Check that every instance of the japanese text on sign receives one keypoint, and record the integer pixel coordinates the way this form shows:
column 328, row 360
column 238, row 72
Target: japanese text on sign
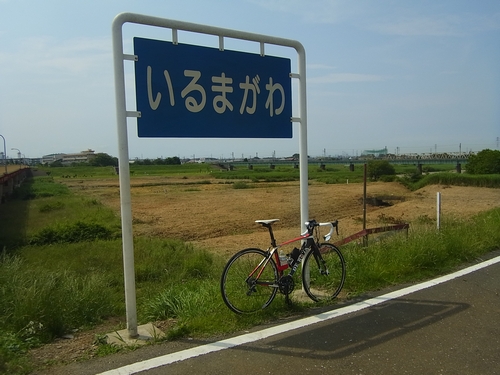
column 193, row 91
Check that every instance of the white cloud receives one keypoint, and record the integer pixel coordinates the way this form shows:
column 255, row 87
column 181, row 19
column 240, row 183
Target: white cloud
column 421, row 26
column 346, row 77
column 385, row 17
column 319, row 67
column 414, row 102
column 42, row 54
column 314, row 11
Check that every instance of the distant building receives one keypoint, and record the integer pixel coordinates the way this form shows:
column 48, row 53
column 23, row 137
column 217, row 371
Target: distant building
column 48, row 159
column 375, row 153
column 68, row 159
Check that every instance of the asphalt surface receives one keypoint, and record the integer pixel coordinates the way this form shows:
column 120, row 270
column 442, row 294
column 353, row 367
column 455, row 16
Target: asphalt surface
column 449, row 328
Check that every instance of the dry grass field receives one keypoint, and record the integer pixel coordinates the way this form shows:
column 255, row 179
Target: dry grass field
column 221, row 218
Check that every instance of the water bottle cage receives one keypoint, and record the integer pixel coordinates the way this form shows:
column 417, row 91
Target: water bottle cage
column 294, row 255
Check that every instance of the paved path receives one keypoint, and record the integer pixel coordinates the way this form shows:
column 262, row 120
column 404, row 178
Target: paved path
column 449, row 325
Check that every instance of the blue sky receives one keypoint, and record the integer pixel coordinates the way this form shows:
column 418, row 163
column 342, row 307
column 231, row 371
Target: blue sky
column 416, row 76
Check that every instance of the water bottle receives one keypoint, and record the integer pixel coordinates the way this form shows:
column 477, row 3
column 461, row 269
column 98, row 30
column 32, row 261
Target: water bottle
column 283, row 258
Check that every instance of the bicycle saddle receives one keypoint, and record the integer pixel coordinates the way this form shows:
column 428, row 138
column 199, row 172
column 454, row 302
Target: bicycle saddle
column 267, row 222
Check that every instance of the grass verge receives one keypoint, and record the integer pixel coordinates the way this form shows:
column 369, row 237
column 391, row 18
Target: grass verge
column 425, row 253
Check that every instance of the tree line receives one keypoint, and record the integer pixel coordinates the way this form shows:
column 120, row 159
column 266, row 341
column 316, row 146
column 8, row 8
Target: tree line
column 105, row 160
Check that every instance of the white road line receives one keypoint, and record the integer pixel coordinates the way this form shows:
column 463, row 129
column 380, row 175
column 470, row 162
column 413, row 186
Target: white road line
column 251, row 337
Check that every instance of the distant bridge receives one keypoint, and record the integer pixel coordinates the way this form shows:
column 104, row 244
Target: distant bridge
column 419, row 160
column 403, row 159
column 411, row 158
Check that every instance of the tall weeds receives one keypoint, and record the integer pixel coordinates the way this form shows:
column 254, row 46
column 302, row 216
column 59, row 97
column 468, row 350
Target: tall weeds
column 55, row 302
column 425, row 253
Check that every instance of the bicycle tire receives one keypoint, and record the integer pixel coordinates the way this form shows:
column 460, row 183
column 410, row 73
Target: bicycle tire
column 246, row 296
column 318, row 285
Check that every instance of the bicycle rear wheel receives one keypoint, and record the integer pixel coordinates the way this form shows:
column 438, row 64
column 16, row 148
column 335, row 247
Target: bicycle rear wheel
column 323, row 275
column 242, row 289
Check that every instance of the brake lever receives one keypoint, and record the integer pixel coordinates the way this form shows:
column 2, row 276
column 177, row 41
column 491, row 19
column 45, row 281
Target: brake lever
column 336, row 225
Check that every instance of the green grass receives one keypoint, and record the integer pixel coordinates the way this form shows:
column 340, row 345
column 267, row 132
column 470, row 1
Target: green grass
column 331, row 174
column 171, row 170
column 281, row 173
column 43, row 207
column 260, row 173
column 424, row 254
column 241, row 185
column 81, row 171
column 44, row 187
column 61, row 269
column 489, row 181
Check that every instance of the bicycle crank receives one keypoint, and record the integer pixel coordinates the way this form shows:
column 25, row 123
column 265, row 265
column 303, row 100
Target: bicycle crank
column 286, row 285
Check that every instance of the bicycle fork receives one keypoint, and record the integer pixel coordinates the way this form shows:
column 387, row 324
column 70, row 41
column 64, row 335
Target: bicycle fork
column 323, row 269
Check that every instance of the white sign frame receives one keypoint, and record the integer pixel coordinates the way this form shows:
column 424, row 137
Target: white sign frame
column 121, row 121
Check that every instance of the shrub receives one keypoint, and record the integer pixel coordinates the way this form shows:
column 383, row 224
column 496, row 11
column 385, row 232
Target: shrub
column 484, row 162
column 103, row 160
column 241, row 185
column 71, row 233
column 386, row 178
column 378, row 168
column 49, row 207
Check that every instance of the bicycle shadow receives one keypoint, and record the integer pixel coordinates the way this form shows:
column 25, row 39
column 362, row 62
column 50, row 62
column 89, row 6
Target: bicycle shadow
column 352, row 334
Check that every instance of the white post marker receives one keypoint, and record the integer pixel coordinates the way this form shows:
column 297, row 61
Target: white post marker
column 121, row 120
column 438, row 208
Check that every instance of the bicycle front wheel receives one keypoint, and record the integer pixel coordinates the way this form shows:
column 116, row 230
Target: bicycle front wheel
column 323, row 274
column 249, row 281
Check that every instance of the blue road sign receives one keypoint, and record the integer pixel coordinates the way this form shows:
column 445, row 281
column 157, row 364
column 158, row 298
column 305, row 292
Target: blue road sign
column 193, row 91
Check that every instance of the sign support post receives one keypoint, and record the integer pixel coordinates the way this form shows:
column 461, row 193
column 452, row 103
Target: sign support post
column 124, row 177
column 121, row 121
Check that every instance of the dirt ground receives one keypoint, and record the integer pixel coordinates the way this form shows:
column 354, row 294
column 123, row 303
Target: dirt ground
column 218, row 217
column 222, row 219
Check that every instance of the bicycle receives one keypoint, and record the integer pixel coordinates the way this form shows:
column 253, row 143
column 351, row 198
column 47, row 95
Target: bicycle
column 252, row 277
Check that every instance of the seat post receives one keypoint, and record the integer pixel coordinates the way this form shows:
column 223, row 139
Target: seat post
column 271, row 234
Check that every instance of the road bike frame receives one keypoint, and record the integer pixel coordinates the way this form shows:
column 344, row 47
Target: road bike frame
column 308, row 245
column 274, row 252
